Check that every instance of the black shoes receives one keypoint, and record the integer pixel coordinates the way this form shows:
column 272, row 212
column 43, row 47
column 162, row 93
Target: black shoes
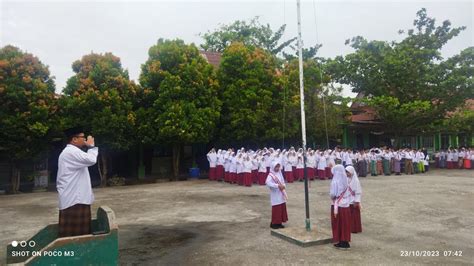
column 343, row 245
column 276, row 226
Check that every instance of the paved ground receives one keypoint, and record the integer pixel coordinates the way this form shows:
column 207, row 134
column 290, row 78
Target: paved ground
column 210, row 223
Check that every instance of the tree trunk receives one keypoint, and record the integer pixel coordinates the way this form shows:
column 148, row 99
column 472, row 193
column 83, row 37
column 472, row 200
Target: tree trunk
column 15, row 178
column 103, row 177
column 176, row 155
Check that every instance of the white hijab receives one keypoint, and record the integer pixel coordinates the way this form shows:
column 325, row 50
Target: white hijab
column 277, row 174
column 354, row 180
column 339, row 181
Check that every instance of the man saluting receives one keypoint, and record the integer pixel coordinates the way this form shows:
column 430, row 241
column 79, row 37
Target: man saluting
column 74, row 184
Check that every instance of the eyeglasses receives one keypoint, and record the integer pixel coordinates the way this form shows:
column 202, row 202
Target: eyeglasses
column 83, row 137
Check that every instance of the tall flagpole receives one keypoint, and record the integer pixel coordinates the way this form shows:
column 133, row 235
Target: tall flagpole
column 303, row 120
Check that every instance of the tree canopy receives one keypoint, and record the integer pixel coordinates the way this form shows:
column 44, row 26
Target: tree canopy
column 100, row 98
column 180, row 102
column 248, row 33
column 410, row 73
column 27, row 106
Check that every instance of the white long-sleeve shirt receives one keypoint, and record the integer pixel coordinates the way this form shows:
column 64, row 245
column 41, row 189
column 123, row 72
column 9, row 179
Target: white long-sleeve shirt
column 322, row 163
column 356, row 190
column 73, row 181
column 276, row 196
column 246, row 166
column 212, row 158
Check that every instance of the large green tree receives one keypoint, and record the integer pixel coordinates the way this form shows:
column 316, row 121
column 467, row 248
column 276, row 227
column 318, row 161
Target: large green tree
column 100, row 97
column 249, row 33
column 27, row 107
column 250, row 89
column 180, row 103
column 409, row 77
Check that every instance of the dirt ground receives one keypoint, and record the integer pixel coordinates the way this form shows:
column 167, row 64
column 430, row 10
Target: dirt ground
column 211, row 223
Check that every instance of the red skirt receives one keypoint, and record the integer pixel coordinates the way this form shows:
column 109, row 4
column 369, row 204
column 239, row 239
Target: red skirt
column 341, row 225
column 279, row 214
column 310, row 173
column 322, row 174
column 356, row 224
column 450, row 165
column 299, row 174
column 226, row 176
column 232, row 177
column 467, row 164
column 219, row 172
column 212, row 173
column 289, row 176
column 247, row 179
column 262, row 177
column 328, row 172
column 254, row 176
column 240, row 179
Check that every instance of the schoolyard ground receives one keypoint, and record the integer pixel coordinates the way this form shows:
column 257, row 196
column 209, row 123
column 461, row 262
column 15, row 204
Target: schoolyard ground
column 203, row 222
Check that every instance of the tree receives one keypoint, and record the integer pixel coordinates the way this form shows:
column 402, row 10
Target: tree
column 251, row 95
column 410, row 73
column 99, row 96
column 180, row 103
column 317, row 85
column 27, row 107
column 249, row 33
column 308, row 53
column 400, row 117
column 462, row 120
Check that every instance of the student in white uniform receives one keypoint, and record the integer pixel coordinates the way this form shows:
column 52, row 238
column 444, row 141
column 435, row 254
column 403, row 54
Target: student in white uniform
column 356, row 192
column 278, row 196
column 212, row 158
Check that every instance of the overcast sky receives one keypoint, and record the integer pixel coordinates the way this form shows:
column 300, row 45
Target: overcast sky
column 60, row 32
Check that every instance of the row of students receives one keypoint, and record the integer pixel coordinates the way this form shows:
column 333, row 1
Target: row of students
column 247, row 167
column 462, row 158
column 252, row 167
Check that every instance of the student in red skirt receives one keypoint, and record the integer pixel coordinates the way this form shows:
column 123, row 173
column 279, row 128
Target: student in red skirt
column 340, row 211
column 254, row 159
column 233, row 168
column 247, row 171
column 322, row 163
column 288, row 167
column 212, row 158
column 220, row 165
column 278, row 197
column 262, row 169
column 356, row 191
column 240, row 173
column 293, row 159
column 310, row 164
column 299, row 172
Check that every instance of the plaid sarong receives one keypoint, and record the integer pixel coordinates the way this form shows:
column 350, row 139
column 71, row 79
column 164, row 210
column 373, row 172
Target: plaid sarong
column 75, row 220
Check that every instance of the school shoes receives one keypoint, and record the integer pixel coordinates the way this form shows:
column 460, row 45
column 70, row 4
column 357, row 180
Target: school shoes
column 342, row 245
column 276, row 226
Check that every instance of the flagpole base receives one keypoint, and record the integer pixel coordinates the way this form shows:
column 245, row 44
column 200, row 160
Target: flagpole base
column 308, row 225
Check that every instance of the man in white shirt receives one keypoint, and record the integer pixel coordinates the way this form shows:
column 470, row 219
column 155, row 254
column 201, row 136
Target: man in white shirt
column 74, row 184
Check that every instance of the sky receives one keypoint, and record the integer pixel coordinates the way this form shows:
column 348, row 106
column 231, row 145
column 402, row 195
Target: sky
column 60, row 32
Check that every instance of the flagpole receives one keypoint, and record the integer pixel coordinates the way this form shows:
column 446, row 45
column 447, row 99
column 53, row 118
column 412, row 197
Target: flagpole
column 303, row 120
